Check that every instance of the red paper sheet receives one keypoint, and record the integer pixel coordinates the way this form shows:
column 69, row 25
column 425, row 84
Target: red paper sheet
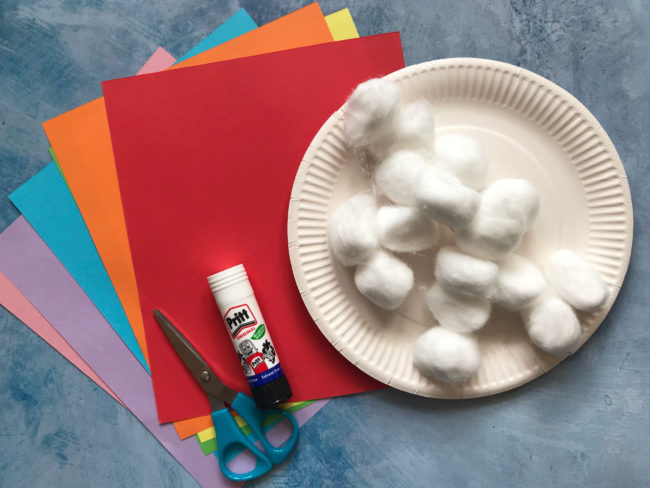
column 206, row 158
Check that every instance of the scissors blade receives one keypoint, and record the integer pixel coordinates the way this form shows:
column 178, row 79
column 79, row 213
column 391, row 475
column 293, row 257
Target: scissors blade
column 195, row 363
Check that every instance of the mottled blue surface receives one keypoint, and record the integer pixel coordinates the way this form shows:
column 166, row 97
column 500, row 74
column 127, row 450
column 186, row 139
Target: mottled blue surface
column 585, row 423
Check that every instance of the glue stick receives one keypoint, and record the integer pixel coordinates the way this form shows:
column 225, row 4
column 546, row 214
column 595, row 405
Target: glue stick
column 250, row 336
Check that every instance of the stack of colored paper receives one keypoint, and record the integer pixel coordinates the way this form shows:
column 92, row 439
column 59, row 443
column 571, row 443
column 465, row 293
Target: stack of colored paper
column 174, row 175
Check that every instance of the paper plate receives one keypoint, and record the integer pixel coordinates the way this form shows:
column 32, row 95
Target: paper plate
column 531, row 129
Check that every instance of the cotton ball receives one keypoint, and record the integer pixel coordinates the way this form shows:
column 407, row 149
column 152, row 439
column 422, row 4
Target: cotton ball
column 457, row 312
column 396, row 175
column 463, row 157
column 466, row 275
column 414, row 127
column 384, row 280
column 353, row 231
column 444, row 198
column 369, row 110
column 490, row 236
column 405, row 229
column 411, row 128
column 519, row 282
column 552, row 325
column 446, row 355
column 514, row 198
column 576, row 281
column 508, row 208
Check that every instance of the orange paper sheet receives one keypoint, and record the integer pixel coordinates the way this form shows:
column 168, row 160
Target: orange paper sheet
column 81, row 140
column 310, row 29
column 189, row 427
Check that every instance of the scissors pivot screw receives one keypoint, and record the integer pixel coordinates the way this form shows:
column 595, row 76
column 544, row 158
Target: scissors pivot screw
column 205, row 376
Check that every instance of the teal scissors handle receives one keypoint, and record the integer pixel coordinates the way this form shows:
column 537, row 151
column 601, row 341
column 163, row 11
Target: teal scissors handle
column 230, row 435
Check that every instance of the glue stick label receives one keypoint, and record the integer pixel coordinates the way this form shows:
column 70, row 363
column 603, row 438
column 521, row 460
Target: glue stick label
column 252, row 343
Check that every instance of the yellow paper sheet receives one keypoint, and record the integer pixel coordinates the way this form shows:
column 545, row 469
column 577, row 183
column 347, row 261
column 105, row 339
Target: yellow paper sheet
column 81, row 140
column 342, row 25
column 209, row 433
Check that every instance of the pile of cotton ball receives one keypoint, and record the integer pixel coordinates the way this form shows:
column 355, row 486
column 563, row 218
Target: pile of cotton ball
column 422, row 182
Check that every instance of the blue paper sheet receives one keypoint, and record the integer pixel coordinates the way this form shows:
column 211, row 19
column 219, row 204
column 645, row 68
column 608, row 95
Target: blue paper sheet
column 235, row 26
column 48, row 205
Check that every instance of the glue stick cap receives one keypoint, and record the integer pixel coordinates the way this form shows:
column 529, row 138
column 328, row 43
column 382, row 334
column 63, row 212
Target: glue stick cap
column 230, row 285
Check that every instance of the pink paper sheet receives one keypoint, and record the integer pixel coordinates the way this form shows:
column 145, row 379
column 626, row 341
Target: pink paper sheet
column 23, row 310
column 158, row 61
column 19, row 306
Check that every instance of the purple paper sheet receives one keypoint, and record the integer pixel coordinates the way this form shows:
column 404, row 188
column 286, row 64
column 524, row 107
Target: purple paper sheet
column 30, row 265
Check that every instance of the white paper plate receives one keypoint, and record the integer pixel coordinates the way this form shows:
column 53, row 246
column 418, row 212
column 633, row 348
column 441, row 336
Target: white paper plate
column 532, row 129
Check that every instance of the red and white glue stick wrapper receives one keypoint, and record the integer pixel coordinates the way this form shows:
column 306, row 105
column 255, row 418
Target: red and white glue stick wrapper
column 250, row 336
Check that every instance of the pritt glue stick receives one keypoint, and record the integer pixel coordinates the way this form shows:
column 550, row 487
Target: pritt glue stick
column 250, row 336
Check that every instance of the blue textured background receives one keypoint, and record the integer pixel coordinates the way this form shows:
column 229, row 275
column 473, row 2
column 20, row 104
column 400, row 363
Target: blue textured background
column 585, row 423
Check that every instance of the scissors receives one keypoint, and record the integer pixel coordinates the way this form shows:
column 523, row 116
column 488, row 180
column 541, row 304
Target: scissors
column 228, row 433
